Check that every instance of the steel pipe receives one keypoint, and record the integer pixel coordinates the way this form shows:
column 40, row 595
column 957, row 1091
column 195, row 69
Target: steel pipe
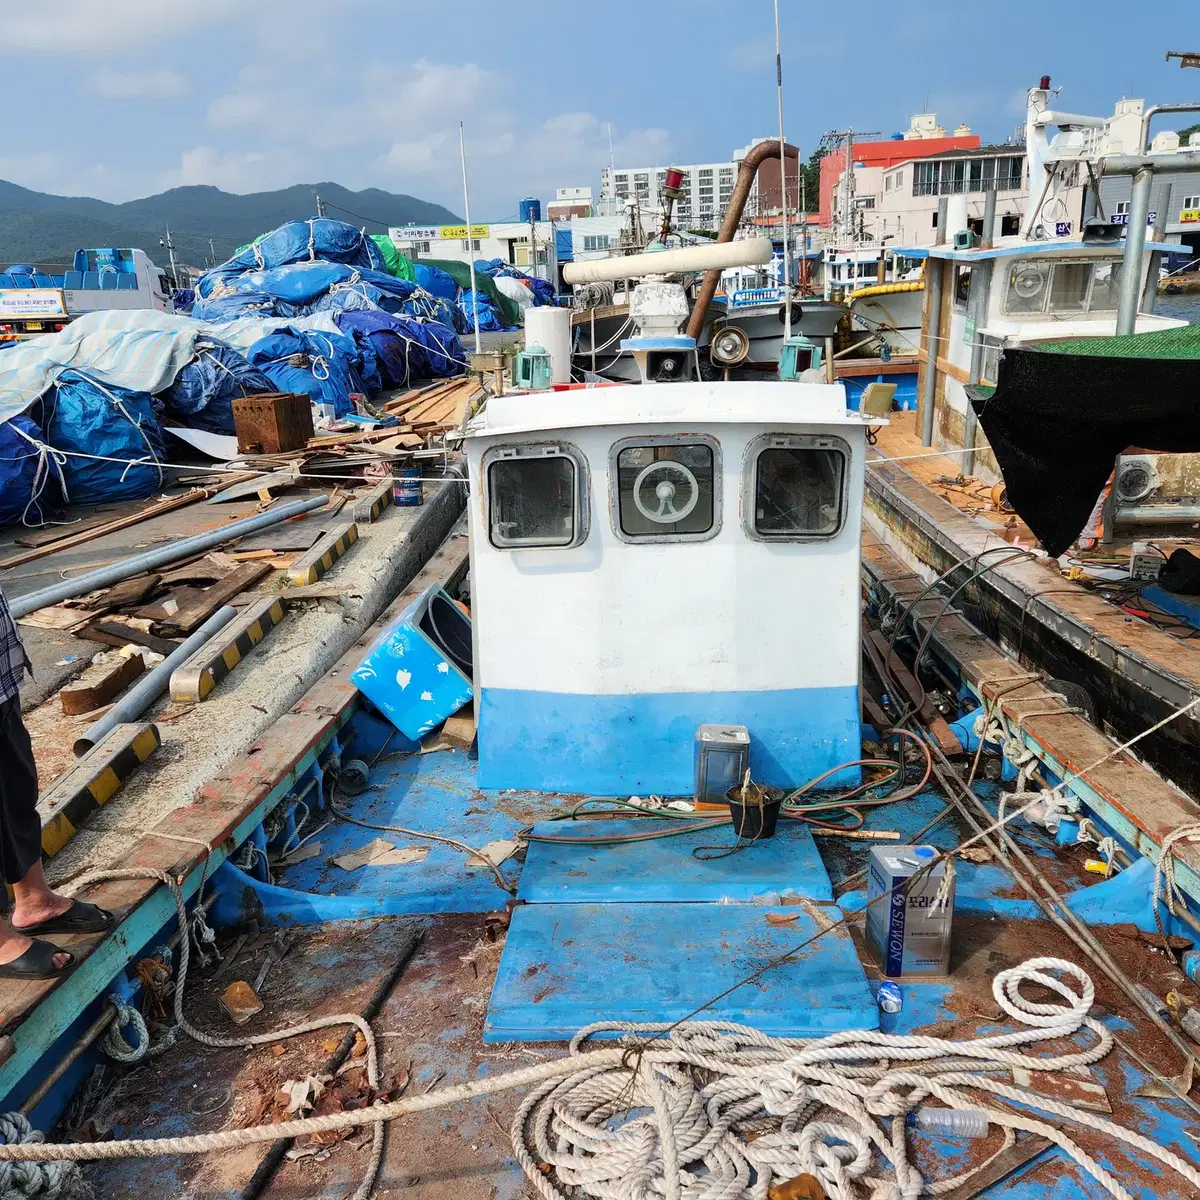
column 80, row 585
column 1158, row 514
column 1135, row 245
column 747, row 173
column 1127, row 164
column 134, row 703
column 934, row 273
column 1154, row 110
column 747, row 253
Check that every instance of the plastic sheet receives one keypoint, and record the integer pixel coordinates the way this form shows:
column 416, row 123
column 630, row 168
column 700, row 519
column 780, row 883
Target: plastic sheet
column 30, row 490
column 203, row 392
column 323, row 365
column 397, row 264
column 85, row 417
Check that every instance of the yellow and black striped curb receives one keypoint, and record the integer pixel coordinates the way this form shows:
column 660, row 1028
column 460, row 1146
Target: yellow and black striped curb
column 93, row 781
column 375, row 501
column 309, row 567
column 195, row 679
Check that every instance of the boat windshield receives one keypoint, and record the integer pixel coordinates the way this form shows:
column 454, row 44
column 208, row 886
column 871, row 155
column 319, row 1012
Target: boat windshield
column 1062, row 288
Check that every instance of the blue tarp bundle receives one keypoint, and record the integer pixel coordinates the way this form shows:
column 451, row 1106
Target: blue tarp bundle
column 325, row 365
column 232, row 305
column 435, row 281
column 543, row 292
column 30, row 481
column 407, row 349
column 85, row 417
column 433, row 308
column 489, row 318
column 317, row 239
column 203, row 392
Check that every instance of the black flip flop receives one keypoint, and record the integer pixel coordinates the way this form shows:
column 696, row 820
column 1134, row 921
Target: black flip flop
column 81, row 917
column 37, row 963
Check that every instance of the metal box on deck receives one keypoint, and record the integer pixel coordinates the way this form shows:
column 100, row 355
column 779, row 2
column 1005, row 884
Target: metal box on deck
column 417, row 671
column 907, row 931
column 272, row 422
column 722, row 759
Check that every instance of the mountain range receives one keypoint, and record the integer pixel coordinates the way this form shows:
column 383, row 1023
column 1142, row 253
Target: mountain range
column 36, row 227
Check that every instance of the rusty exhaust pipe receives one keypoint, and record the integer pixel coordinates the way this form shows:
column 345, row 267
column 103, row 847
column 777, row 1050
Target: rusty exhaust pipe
column 733, row 215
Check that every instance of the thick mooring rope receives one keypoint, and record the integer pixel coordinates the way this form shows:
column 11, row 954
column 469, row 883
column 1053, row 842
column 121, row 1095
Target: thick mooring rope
column 44, row 1180
column 714, row 1111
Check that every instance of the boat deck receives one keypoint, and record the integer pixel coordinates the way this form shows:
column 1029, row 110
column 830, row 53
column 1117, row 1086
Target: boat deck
column 433, row 1030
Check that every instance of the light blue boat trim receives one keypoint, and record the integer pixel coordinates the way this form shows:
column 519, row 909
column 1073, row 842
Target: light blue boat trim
column 605, row 745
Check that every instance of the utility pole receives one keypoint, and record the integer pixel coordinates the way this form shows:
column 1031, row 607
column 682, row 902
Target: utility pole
column 835, row 138
column 462, row 151
column 170, row 248
column 787, row 250
column 212, row 250
column 320, row 206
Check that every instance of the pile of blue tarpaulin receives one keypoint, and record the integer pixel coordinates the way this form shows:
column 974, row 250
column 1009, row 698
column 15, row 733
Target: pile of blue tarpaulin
column 541, row 291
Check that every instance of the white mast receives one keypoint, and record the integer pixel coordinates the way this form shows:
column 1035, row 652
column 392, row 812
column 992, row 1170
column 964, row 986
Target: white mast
column 787, row 251
column 462, row 150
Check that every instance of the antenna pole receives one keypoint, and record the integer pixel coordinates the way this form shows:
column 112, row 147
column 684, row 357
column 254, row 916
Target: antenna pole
column 171, row 256
column 462, row 151
column 787, row 250
column 320, row 206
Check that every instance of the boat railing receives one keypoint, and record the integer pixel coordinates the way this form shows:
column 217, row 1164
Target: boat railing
column 744, row 297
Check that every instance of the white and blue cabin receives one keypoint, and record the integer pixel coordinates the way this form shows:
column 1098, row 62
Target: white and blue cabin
column 648, row 559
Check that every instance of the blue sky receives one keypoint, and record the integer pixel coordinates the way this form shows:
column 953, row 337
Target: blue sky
column 128, row 97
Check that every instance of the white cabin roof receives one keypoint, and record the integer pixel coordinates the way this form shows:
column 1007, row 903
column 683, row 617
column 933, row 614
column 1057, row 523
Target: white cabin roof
column 770, row 404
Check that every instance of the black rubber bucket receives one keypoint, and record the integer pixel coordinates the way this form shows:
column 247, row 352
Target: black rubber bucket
column 754, row 810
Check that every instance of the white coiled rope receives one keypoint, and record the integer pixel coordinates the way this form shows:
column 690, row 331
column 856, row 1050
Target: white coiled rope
column 27, row 1180
column 714, row 1111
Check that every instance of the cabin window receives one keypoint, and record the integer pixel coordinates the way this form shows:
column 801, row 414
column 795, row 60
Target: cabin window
column 666, row 489
column 798, row 487
column 1069, row 286
column 1062, row 288
column 962, row 286
column 535, row 497
column 1106, row 283
column 1027, row 287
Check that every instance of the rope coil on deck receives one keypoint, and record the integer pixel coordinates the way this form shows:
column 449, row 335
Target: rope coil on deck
column 45, row 1180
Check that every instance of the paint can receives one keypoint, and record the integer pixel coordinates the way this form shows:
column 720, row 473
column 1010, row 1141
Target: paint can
column 407, row 491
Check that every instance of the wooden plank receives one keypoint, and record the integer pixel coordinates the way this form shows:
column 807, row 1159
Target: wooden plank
column 1004, row 1164
column 100, row 531
column 459, row 730
column 55, row 533
column 87, row 697
column 948, row 368
column 128, row 591
column 189, row 618
column 118, row 633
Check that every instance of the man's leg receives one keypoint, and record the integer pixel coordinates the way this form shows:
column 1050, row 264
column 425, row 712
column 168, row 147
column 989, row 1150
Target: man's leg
column 21, row 838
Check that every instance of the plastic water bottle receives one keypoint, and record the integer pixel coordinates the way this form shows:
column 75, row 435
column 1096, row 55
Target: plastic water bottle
column 951, row 1122
column 890, row 999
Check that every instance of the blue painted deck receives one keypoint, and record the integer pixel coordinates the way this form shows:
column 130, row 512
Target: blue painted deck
column 667, row 870
column 566, row 965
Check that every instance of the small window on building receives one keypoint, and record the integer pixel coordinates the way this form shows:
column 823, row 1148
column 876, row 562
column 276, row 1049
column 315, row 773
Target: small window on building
column 1027, row 287
column 962, row 286
column 1010, row 226
column 1191, row 202
column 1069, row 287
column 798, row 485
column 534, row 498
column 1120, row 208
column 470, row 244
column 666, row 490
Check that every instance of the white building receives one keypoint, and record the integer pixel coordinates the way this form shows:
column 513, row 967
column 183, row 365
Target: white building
column 570, row 202
column 707, row 188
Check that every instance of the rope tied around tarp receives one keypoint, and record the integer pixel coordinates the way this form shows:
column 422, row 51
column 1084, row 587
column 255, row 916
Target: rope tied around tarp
column 50, row 462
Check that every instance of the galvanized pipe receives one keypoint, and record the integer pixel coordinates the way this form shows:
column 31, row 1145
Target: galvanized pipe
column 1150, row 289
column 1135, row 245
column 1158, row 514
column 80, row 585
column 1127, row 164
column 1154, row 110
column 132, row 705
column 747, row 173
column 86, row 1040
column 989, row 220
column 934, row 273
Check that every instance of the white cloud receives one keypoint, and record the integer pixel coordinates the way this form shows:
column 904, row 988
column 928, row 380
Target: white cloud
column 236, row 171
column 61, row 26
column 136, row 85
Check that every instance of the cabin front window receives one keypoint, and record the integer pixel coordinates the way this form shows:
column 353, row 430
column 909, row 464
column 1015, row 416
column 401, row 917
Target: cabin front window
column 798, row 485
column 534, row 497
column 1062, row 288
column 666, row 489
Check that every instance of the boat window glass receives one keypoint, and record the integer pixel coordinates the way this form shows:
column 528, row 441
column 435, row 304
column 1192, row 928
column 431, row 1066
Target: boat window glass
column 665, row 489
column 1069, row 286
column 1106, row 283
column 962, row 286
column 1027, row 287
column 533, row 498
column 799, row 488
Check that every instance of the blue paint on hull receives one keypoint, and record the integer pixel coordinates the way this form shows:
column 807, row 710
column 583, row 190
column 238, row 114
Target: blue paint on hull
column 608, row 745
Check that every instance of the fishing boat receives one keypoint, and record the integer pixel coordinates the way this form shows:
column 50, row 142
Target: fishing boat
column 753, row 865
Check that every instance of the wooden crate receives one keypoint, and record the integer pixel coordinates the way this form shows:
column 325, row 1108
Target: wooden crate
column 272, row 422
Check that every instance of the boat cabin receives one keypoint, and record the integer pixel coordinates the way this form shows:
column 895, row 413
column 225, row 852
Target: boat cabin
column 646, row 560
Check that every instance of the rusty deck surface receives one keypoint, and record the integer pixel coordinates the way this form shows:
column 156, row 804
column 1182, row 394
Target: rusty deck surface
column 903, row 500
column 232, row 803
column 1151, row 805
